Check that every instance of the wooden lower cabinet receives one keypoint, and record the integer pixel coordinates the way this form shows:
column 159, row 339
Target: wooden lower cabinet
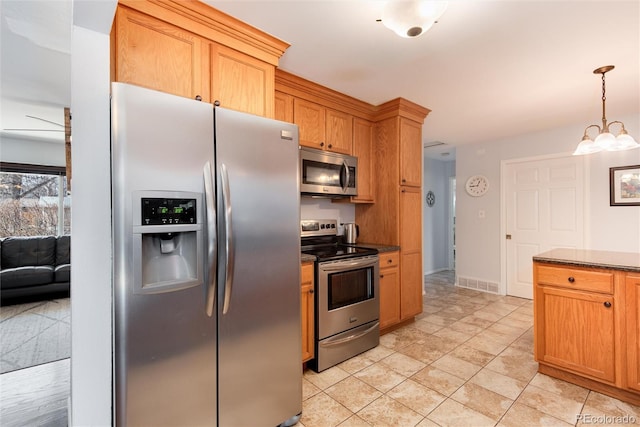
column 586, row 328
column 633, row 331
column 389, row 289
column 577, row 331
column 307, row 303
column 411, row 280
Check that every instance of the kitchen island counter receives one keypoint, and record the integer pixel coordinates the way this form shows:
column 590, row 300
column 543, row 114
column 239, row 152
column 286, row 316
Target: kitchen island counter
column 587, row 319
column 625, row 261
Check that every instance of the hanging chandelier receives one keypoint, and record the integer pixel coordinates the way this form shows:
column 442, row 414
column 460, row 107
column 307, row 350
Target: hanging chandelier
column 412, row 18
column 605, row 141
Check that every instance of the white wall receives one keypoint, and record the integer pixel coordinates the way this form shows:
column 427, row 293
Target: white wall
column 435, row 226
column 343, row 212
column 479, row 239
column 91, row 295
column 31, row 151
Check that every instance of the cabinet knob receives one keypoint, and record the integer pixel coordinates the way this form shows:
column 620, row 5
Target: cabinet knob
column 404, row 180
column 382, row 276
column 330, row 146
column 322, row 144
column 311, row 291
column 571, row 279
column 389, row 261
column 607, row 304
column 198, row 98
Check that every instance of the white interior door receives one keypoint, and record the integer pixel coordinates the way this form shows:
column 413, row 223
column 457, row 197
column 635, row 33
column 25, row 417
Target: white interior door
column 544, row 210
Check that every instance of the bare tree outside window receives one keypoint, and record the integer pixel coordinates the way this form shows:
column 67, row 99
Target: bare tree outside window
column 33, row 204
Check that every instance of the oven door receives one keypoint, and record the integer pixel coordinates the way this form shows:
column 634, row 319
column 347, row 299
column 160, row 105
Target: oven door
column 348, row 294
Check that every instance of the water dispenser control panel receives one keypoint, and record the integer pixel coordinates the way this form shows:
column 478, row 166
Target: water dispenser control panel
column 164, row 211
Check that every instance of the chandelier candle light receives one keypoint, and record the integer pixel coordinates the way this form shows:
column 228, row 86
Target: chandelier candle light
column 605, row 139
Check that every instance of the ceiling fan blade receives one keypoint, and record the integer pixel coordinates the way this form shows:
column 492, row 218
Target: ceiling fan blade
column 35, row 130
column 45, row 120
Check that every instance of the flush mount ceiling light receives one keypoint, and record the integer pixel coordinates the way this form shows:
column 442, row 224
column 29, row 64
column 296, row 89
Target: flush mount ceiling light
column 412, row 18
column 605, row 139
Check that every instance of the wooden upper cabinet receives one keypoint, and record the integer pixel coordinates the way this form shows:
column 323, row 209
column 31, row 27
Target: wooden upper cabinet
column 188, row 48
column 339, row 131
column 158, row 55
column 283, row 107
column 310, row 119
column 363, row 150
column 323, row 128
column 241, row 82
column 410, row 153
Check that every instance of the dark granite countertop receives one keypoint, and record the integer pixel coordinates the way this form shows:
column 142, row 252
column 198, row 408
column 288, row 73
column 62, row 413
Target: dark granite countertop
column 625, row 261
column 379, row 247
column 307, row 258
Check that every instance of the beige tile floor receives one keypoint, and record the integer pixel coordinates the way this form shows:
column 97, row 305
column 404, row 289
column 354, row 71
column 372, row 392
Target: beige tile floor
column 466, row 361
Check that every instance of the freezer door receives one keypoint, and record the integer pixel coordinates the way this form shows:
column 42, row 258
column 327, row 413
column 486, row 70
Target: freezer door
column 164, row 341
column 259, row 354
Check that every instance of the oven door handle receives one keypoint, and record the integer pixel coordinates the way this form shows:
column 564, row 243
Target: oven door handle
column 337, row 341
column 338, row 266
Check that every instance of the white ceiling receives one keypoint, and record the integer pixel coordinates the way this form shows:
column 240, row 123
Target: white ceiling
column 488, row 70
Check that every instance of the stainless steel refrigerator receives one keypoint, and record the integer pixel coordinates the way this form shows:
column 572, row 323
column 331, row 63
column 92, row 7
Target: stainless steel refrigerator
column 206, row 264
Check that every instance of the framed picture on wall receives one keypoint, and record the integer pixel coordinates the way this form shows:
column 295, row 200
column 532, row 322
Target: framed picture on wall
column 624, row 184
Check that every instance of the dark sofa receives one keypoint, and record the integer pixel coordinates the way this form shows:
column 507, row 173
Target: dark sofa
column 34, row 266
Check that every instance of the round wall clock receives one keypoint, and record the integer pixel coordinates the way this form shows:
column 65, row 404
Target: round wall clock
column 431, row 198
column 477, row 185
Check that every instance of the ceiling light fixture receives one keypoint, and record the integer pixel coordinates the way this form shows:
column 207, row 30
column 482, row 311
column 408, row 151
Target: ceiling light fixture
column 605, row 139
column 412, row 18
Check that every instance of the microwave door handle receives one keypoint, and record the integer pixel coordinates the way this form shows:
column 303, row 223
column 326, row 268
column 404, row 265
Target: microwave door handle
column 211, row 239
column 347, row 174
column 229, row 242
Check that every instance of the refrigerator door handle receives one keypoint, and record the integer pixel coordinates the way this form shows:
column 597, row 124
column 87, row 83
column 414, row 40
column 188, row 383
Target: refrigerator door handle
column 229, row 243
column 212, row 244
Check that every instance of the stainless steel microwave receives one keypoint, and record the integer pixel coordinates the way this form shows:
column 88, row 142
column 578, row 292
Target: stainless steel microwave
column 327, row 174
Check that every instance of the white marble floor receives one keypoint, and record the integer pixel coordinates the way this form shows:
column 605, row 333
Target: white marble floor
column 466, row 361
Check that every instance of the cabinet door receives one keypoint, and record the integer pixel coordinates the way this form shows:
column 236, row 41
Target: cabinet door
column 575, row 331
column 410, row 219
column 157, row 55
column 363, row 150
column 338, row 131
column 389, row 297
column 633, row 331
column 410, row 153
column 241, row 82
column 307, row 304
column 283, row 107
column 411, row 284
column 310, row 120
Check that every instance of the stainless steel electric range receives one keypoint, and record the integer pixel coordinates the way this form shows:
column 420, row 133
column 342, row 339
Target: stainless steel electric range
column 347, row 291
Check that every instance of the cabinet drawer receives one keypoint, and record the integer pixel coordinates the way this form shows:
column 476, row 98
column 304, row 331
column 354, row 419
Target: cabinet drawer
column 306, row 275
column 574, row 278
column 389, row 259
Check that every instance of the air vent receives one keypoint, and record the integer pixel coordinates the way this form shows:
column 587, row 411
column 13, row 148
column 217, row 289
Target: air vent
column 432, row 144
